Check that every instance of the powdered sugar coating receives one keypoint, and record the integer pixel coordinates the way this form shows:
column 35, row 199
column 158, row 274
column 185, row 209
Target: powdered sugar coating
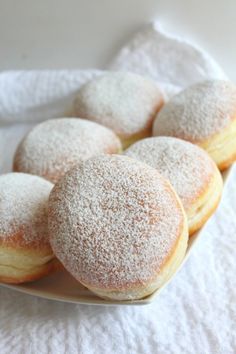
column 54, row 146
column 113, row 221
column 24, row 208
column 198, row 112
column 124, row 102
column 188, row 168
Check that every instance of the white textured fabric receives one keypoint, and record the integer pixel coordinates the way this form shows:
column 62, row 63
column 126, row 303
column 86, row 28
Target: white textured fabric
column 196, row 313
column 173, row 62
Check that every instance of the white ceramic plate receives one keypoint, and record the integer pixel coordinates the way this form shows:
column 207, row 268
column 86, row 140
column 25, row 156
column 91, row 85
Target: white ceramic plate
column 61, row 286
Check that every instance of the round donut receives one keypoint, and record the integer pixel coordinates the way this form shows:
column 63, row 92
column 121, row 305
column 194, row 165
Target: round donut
column 54, row 146
column 124, row 102
column 117, row 226
column 204, row 114
column 193, row 174
column 25, row 251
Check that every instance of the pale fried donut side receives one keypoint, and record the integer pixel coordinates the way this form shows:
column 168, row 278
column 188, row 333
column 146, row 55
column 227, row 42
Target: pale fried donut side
column 222, row 146
column 206, row 205
column 204, row 114
column 20, row 266
column 117, row 226
column 25, row 252
column 54, row 146
column 190, row 170
column 124, row 102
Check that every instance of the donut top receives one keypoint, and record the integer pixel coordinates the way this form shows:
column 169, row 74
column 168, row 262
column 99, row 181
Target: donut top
column 53, row 147
column 113, row 221
column 23, row 208
column 125, row 102
column 198, row 112
column 188, row 168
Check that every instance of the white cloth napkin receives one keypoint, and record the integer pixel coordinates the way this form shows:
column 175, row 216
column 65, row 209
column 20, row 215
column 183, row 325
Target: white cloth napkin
column 196, row 313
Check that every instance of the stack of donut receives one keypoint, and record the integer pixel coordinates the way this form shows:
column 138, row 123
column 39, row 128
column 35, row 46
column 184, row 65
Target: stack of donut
column 115, row 192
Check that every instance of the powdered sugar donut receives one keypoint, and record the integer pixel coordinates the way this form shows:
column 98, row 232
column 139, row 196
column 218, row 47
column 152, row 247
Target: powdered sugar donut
column 117, row 226
column 25, row 252
column 124, row 102
column 54, row 146
column 190, row 170
column 204, row 114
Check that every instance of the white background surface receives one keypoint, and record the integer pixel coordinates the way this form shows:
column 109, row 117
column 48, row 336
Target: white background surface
column 82, row 34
